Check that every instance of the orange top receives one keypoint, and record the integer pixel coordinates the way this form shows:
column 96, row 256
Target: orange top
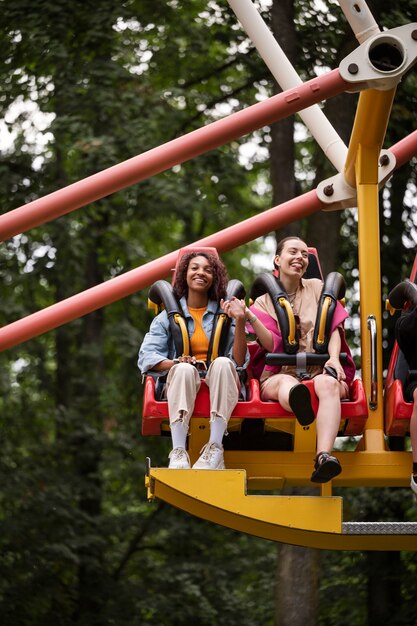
column 199, row 341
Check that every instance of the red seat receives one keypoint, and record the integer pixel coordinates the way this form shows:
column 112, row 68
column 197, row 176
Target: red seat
column 354, row 410
column 397, row 410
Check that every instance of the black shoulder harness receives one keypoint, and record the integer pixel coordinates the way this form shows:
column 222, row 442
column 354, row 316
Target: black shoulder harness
column 333, row 290
column 267, row 283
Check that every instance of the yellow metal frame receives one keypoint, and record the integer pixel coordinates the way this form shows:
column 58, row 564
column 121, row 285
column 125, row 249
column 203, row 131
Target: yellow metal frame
column 361, row 169
column 311, row 521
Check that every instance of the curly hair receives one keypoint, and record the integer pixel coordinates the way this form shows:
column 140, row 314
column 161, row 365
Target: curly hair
column 218, row 288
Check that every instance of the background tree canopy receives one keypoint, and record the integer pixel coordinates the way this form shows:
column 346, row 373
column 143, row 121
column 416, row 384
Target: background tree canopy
column 86, row 85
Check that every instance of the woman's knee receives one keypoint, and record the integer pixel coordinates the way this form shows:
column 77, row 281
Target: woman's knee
column 181, row 371
column 222, row 361
column 222, row 365
column 326, row 386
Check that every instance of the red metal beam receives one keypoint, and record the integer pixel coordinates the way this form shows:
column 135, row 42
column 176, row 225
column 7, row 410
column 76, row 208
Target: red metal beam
column 169, row 154
column 405, row 149
column 141, row 277
column 134, row 280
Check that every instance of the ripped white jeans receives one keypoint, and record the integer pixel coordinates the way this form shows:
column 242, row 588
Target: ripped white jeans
column 183, row 383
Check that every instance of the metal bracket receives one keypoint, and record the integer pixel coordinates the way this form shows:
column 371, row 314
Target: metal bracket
column 336, row 194
column 382, row 60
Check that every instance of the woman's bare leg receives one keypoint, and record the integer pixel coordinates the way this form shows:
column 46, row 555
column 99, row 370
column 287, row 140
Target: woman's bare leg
column 278, row 388
column 329, row 392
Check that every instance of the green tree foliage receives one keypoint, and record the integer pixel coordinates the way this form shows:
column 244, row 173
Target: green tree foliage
column 79, row 542
column 86, row 85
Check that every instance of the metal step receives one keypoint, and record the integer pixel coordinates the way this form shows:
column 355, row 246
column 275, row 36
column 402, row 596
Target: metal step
column 379, row 528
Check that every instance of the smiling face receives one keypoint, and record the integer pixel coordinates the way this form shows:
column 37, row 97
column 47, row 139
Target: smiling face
column 293, row 259
column 202, row 275
column 199, row 275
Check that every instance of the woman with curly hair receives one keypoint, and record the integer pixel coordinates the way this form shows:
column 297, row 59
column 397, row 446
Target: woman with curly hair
column 200, row 285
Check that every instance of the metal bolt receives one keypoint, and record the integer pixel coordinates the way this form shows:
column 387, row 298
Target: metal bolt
column 414, row 35
column 353, row 68
column 384, row 159
column 328, row 190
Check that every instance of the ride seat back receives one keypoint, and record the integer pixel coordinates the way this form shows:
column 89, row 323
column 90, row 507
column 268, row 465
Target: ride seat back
column 397, row 410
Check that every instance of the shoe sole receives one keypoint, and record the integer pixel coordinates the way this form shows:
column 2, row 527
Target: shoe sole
column 326, row 471
column 300, row 403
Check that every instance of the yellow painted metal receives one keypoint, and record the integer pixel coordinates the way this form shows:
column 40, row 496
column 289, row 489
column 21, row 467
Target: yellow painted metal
column 371, row 464
column 360, row 468
column 220, row 497
column 224, row 492
column 199, row 435
column 362, row 169
column 305, row 438
column 326, row 489
column 370, row 288
column 369, row 129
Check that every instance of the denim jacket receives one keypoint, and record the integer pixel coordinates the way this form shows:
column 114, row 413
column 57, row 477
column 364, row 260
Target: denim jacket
column 158, row 343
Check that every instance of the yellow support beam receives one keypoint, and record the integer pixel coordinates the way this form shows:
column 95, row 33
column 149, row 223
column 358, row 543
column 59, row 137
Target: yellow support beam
column 369, row 128
column 370, row 291
column 361, row 169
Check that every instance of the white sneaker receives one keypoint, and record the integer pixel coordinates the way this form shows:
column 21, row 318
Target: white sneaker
column 211, row 457
column 179, row 459
column 413, row 483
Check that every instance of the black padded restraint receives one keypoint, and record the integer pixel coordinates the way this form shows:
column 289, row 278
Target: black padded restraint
column 234, row 288
column 267, row 283
column 333, row 290
column 161, row 292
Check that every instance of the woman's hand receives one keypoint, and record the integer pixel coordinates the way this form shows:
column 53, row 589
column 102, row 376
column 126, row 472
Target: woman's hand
column 335, row 365
column 234, row 308
column 334, row 351
column 186, row 358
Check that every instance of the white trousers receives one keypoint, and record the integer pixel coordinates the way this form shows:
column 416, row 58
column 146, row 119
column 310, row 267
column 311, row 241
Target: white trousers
column 183, row 383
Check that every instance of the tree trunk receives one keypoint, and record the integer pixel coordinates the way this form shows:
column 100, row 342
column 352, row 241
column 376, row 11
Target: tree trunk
column 297, row 586
column 282, row 133
column 385, row 572
column 297, row 569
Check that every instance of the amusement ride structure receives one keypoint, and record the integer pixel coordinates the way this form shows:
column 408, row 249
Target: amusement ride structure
column 236, row 497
